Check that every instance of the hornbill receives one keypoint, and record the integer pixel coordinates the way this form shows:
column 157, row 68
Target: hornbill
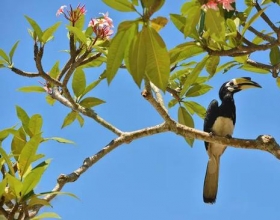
column 220, row 120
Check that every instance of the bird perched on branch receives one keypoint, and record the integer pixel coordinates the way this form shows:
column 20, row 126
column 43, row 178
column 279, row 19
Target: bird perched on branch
column 220, row 120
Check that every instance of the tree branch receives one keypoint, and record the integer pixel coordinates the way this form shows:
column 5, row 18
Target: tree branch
column 266, row 18
column 85, row 111
column 88, row 162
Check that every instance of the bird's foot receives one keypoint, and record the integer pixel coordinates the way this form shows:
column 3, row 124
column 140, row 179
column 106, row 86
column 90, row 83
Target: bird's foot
column 228, row 136
column 212, row 133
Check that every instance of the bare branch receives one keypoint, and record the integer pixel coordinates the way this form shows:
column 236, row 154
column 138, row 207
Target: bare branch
column 261, row 35
column 266, row 18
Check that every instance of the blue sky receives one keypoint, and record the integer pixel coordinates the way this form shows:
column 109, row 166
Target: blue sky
column 158, row 177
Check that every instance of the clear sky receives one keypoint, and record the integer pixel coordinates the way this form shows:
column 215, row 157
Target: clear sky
column 158, row 177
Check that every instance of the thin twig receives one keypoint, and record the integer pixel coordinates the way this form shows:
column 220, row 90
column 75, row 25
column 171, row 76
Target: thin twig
column 266, row 18
column 85, row 111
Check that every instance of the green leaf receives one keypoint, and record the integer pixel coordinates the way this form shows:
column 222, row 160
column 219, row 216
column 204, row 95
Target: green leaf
column 192, row 20
column 195, row 108
column 14, row 185
column 186, row 119
column 274, row 55
column 250, row 68
column 90, row 87
column 34, row 200
column 46, row 215
column 50, row 100
column 251, row 21
column 35, row 124
column 79, row 82
column 78, row 33
column 3, row 185
column 119, row 43
column 158, row 62
column 60, row 140
column 18, row 142
column 120, row 5
column 278, row 81
column 32, row 89
column 35, row 27
column 27, row 154
column 194, row 75
column 23, row 117
column 226, row 66
column 50, row 31
column 172, row 103
column 58, row 193
column 80, row 120
column 54, row 70
column 179, row 21
column 8, row 161
column 4, row 56
column 197, row 90
column 215, row 25
column 81, row 22
column 90, row 102
column 69, row 119
column 95, row 63
column 34, row 177
column 138, row 58
column 12, row 51
column 153, row 5
column 184, row 51
column 211, row 65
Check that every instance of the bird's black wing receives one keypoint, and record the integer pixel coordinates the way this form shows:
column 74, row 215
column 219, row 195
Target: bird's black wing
column 211, row 115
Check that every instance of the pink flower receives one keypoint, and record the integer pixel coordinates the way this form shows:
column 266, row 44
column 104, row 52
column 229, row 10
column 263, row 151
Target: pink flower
column 211, row 4
column 227, row 4
column 72, row 15
column 108, row 19
column 102, row 26
column 60, row 10
column 82, row 9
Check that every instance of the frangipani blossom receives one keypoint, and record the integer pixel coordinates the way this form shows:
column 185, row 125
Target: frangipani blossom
column 102, row 26
column 227, row 4
column 213, row 4
column 72, row 15
column 60, row 10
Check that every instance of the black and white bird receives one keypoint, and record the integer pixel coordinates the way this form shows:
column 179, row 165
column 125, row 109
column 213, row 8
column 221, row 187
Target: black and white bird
column 220, row 120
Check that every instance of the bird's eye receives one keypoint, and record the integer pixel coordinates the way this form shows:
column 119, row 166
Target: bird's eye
column 231, row 84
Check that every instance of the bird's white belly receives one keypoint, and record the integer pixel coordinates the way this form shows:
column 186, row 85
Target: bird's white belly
column 223, row 126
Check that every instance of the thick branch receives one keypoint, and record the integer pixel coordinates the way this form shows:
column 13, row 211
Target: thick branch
column 88, row 162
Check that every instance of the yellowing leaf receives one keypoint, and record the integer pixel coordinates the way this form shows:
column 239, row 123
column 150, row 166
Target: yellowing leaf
column 158, row 23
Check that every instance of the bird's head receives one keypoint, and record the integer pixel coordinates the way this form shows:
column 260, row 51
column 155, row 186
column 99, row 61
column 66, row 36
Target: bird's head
column 236, row 85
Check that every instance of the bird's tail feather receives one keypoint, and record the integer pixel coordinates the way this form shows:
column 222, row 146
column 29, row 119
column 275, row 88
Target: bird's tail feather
column 210, row 188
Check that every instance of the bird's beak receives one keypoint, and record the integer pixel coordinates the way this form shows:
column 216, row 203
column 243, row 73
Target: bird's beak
column 246, row 83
